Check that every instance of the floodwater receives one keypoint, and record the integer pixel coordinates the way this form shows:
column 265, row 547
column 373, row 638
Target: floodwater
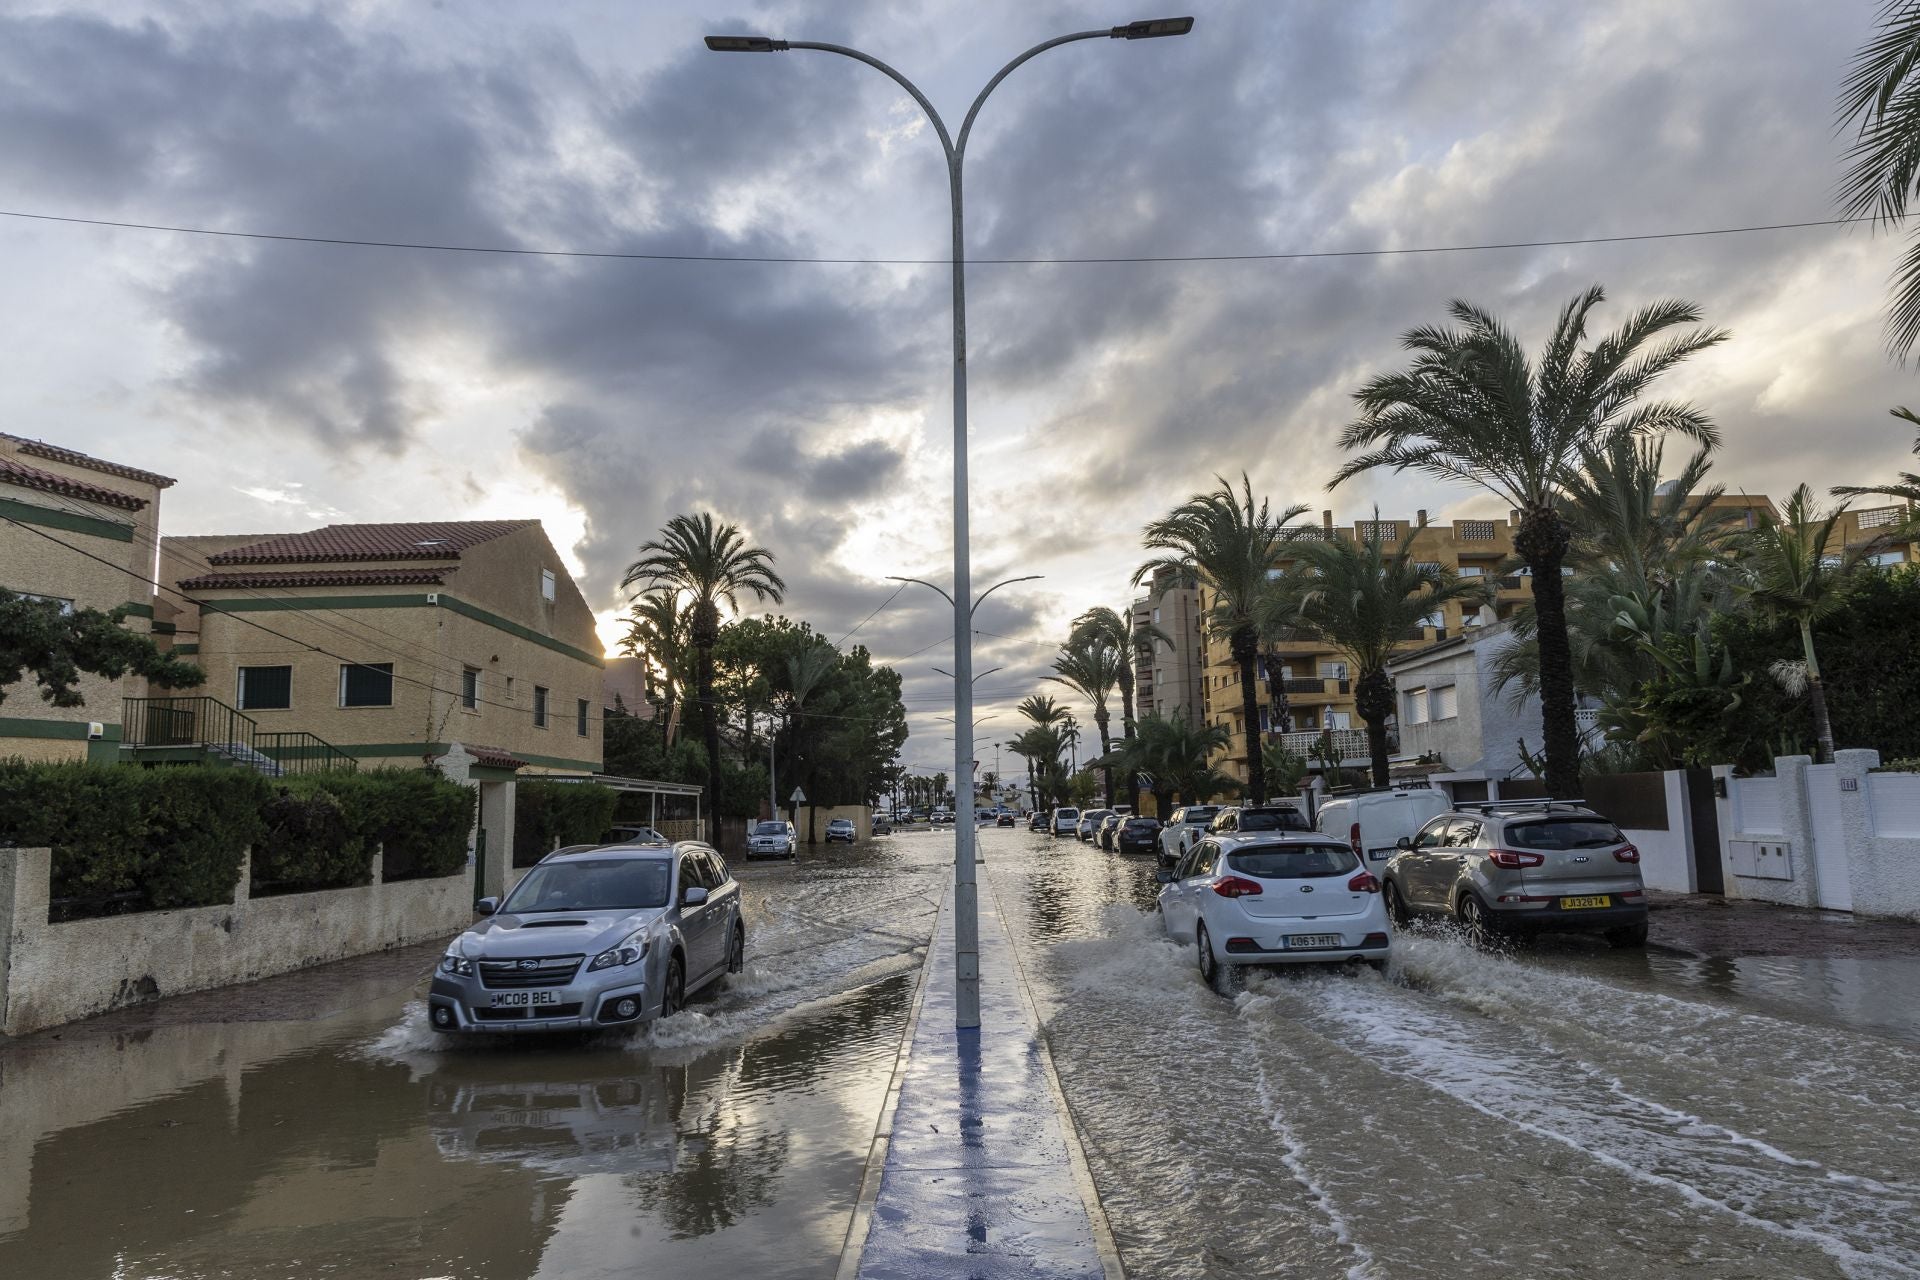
column 1563, row 1111
column 264, row 1133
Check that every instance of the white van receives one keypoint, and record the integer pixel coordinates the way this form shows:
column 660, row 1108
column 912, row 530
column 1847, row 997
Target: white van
column 1372, row 822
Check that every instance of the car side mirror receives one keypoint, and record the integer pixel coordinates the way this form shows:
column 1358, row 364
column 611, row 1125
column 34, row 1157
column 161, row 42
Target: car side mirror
column 1162, row 875
column 1404, row 842
column 486, row 906
column 693, row 895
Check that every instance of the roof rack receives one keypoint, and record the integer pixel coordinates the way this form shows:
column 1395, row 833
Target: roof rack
column 1485, row 805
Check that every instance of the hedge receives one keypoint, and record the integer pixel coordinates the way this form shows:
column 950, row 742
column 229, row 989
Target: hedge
column 128, row 839
column 546, row 814
column 418, row 818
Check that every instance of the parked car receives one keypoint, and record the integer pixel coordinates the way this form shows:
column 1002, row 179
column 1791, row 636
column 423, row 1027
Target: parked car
column 841, row 829
column 1514, row 867
column 1109, row 825
column 1373, row 822
column 1184, row 827
column 1038, row 820
column 939, row 816
column 600, row 938
column 633, row 833
column 1137, row 835
column 882, row 825
column 1242, row 819
column 771, row 839
column 1065, row 820
column 1273, row 899
column 1090, row 822
column 1006, row 818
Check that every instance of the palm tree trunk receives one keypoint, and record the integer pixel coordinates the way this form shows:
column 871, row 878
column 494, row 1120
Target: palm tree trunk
column 1373, row 699
column 1817, row 697
column 706, row 632
column 1542, row 543
column 1246, row 648
column 1101, row 720
column 1130, row 725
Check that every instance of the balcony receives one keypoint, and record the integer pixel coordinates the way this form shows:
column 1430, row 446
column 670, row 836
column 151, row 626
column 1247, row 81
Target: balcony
column 1349, row 746
column 1314, row 688
column 200, row 728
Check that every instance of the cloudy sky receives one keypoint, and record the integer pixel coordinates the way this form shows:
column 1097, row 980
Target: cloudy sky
column 289, row 384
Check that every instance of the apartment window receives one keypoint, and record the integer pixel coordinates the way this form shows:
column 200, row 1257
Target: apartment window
column 1156, row 614
column 1416, row 702
column 546, row 584
column 65, row 605
column 366, row 684
column 1434, row 619
column 470, row 689
column 1333, row 671
column 539, row 707
column 265, row 688
column 580, row 717
column 1890, row 557
column 1472, row 571
column 1446, row 702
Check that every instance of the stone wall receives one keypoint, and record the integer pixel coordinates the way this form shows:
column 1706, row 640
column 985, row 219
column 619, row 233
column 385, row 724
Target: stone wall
column 56, row 973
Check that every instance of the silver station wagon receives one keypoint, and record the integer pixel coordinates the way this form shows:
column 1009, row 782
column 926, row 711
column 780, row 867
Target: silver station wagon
column 594, row 937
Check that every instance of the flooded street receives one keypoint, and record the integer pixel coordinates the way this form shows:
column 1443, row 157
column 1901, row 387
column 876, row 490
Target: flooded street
column 1724, row 1105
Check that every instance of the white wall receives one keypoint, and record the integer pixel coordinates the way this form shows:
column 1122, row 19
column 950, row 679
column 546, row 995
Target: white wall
column 1666, row 857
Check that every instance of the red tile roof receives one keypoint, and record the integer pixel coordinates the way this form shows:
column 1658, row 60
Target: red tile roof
column 74, row 458
column 436, row 540
column 430, row 577
column 493, row 757
column 14, row 471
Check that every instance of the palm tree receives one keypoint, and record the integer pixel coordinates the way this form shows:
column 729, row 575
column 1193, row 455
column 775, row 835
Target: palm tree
column 1228, row 544
column 1172, row 755
column 1041, row 709
column 1091, row 668
column 708, row 563
column 1790, row 572
column 1906, row 486
column 1472, row 407
column 804, row 672
column 1882, row 93
column 1134, row 642
column 657, row 630
column 1364, row 600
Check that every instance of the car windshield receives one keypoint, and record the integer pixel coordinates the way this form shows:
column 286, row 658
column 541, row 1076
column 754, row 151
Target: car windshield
column 1069, row 813
column 771, row 829
column 612, row 884
column 1201, row 815
column 1273, row 820
column 1564, row 833
column 1293, row 861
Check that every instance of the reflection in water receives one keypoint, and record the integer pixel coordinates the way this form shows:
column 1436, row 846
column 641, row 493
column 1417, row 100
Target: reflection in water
column 1872, row 993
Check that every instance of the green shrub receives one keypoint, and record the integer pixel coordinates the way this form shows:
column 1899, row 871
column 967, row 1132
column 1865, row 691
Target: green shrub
column 311, row 841
column 546, row 814
column 419, row 819
column 133, row 839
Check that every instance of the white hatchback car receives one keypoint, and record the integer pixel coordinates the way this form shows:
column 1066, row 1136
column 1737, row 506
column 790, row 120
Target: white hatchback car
column 1281, row 898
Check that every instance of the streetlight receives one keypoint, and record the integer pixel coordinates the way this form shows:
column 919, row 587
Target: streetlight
column 977, row 679
column 966, row 905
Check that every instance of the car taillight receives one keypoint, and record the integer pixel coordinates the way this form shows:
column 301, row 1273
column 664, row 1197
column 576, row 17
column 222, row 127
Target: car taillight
column 1235, row 887
column 1353, row 840
column 1512, row 860
column 1626, row 853
column 1365, row 882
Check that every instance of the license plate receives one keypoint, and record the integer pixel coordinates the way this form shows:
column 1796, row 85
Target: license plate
column 524, row 999
column 1381, row 855
column 1571, row 904
column 1308, row 941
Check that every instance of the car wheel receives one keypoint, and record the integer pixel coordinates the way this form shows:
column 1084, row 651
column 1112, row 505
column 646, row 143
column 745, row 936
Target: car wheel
column 1397, row 912
column 1634, row 935
column 1223, row 978
column 674, row 997
column 737, row 951
column 1478, row 922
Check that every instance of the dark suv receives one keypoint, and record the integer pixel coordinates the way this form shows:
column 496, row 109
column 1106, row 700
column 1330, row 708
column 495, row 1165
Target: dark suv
column 1137, row 835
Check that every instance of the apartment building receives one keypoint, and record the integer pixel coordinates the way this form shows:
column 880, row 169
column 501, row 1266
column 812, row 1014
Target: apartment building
column 387, row 643
column 79, row 530
column 1169, row 674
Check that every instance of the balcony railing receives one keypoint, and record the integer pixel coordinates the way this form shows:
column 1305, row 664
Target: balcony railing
column 1880, row 517
column 1348, row 746
column 1473, row 530
column 220, row 730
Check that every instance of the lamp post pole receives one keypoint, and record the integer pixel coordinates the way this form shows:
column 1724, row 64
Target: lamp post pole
column 966, row 906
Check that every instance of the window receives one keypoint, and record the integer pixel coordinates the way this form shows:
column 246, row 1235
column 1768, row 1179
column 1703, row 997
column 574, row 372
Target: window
column 1464, row 834
column 539, row 707
column 1431, row 834
column 546, row 585
column 1472, row 571
column 266, row 688
column 1293, row 862
column 1446, row 702
column 1416, row 701
column 61, row 602
column 1156, row 614
column 366, row 684
column 1884, row 557
column 580, row 717
column 470, row 689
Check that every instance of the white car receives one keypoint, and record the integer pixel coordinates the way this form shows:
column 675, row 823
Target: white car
column 1066, row 820
column 1186, row 826
column 1373, row 822
column 1273, row 899
column 773, row 839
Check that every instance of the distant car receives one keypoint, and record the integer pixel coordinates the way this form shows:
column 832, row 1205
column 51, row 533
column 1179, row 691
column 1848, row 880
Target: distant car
column 939, row 816
column 1090, row 822
column 1273, row 899
column 1373, row 822
column 841, row 829
column 1186, row 825
column 633, row 833
column 1109, row 826
column 1038, row 820
column 1137, row 835
column 771, row 839
column 1065, row 820
column 1243, row 819
column 606, row 937
column 1006, row 818
column 882, row 825
column 1522, row 867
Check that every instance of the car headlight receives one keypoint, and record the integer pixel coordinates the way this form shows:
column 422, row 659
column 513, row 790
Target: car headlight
column 631, row 951
column 453, row 962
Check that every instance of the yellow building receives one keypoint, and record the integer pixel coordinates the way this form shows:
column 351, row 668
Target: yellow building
column 386, row 643
column 80, row 530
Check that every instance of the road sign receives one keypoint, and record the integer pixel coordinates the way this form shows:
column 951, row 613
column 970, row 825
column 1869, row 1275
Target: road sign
column 798, row 797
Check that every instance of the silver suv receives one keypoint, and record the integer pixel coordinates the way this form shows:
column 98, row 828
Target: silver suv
column 1508, row 867
column 595, row 937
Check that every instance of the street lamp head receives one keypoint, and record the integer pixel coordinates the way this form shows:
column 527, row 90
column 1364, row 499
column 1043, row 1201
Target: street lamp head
column 763, row 44
column 1151, row 29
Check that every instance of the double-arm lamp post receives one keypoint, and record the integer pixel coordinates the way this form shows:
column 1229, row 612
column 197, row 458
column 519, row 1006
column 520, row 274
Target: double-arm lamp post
column 965, row 890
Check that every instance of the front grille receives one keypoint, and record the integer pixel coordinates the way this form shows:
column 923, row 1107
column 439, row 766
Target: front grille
column 527, row 1014
column 547, row 971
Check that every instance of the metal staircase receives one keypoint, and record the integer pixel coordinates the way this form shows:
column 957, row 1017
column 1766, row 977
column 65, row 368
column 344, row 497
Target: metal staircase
column 179, row 727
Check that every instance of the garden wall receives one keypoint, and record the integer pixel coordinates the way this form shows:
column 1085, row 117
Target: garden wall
column 56, row 973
